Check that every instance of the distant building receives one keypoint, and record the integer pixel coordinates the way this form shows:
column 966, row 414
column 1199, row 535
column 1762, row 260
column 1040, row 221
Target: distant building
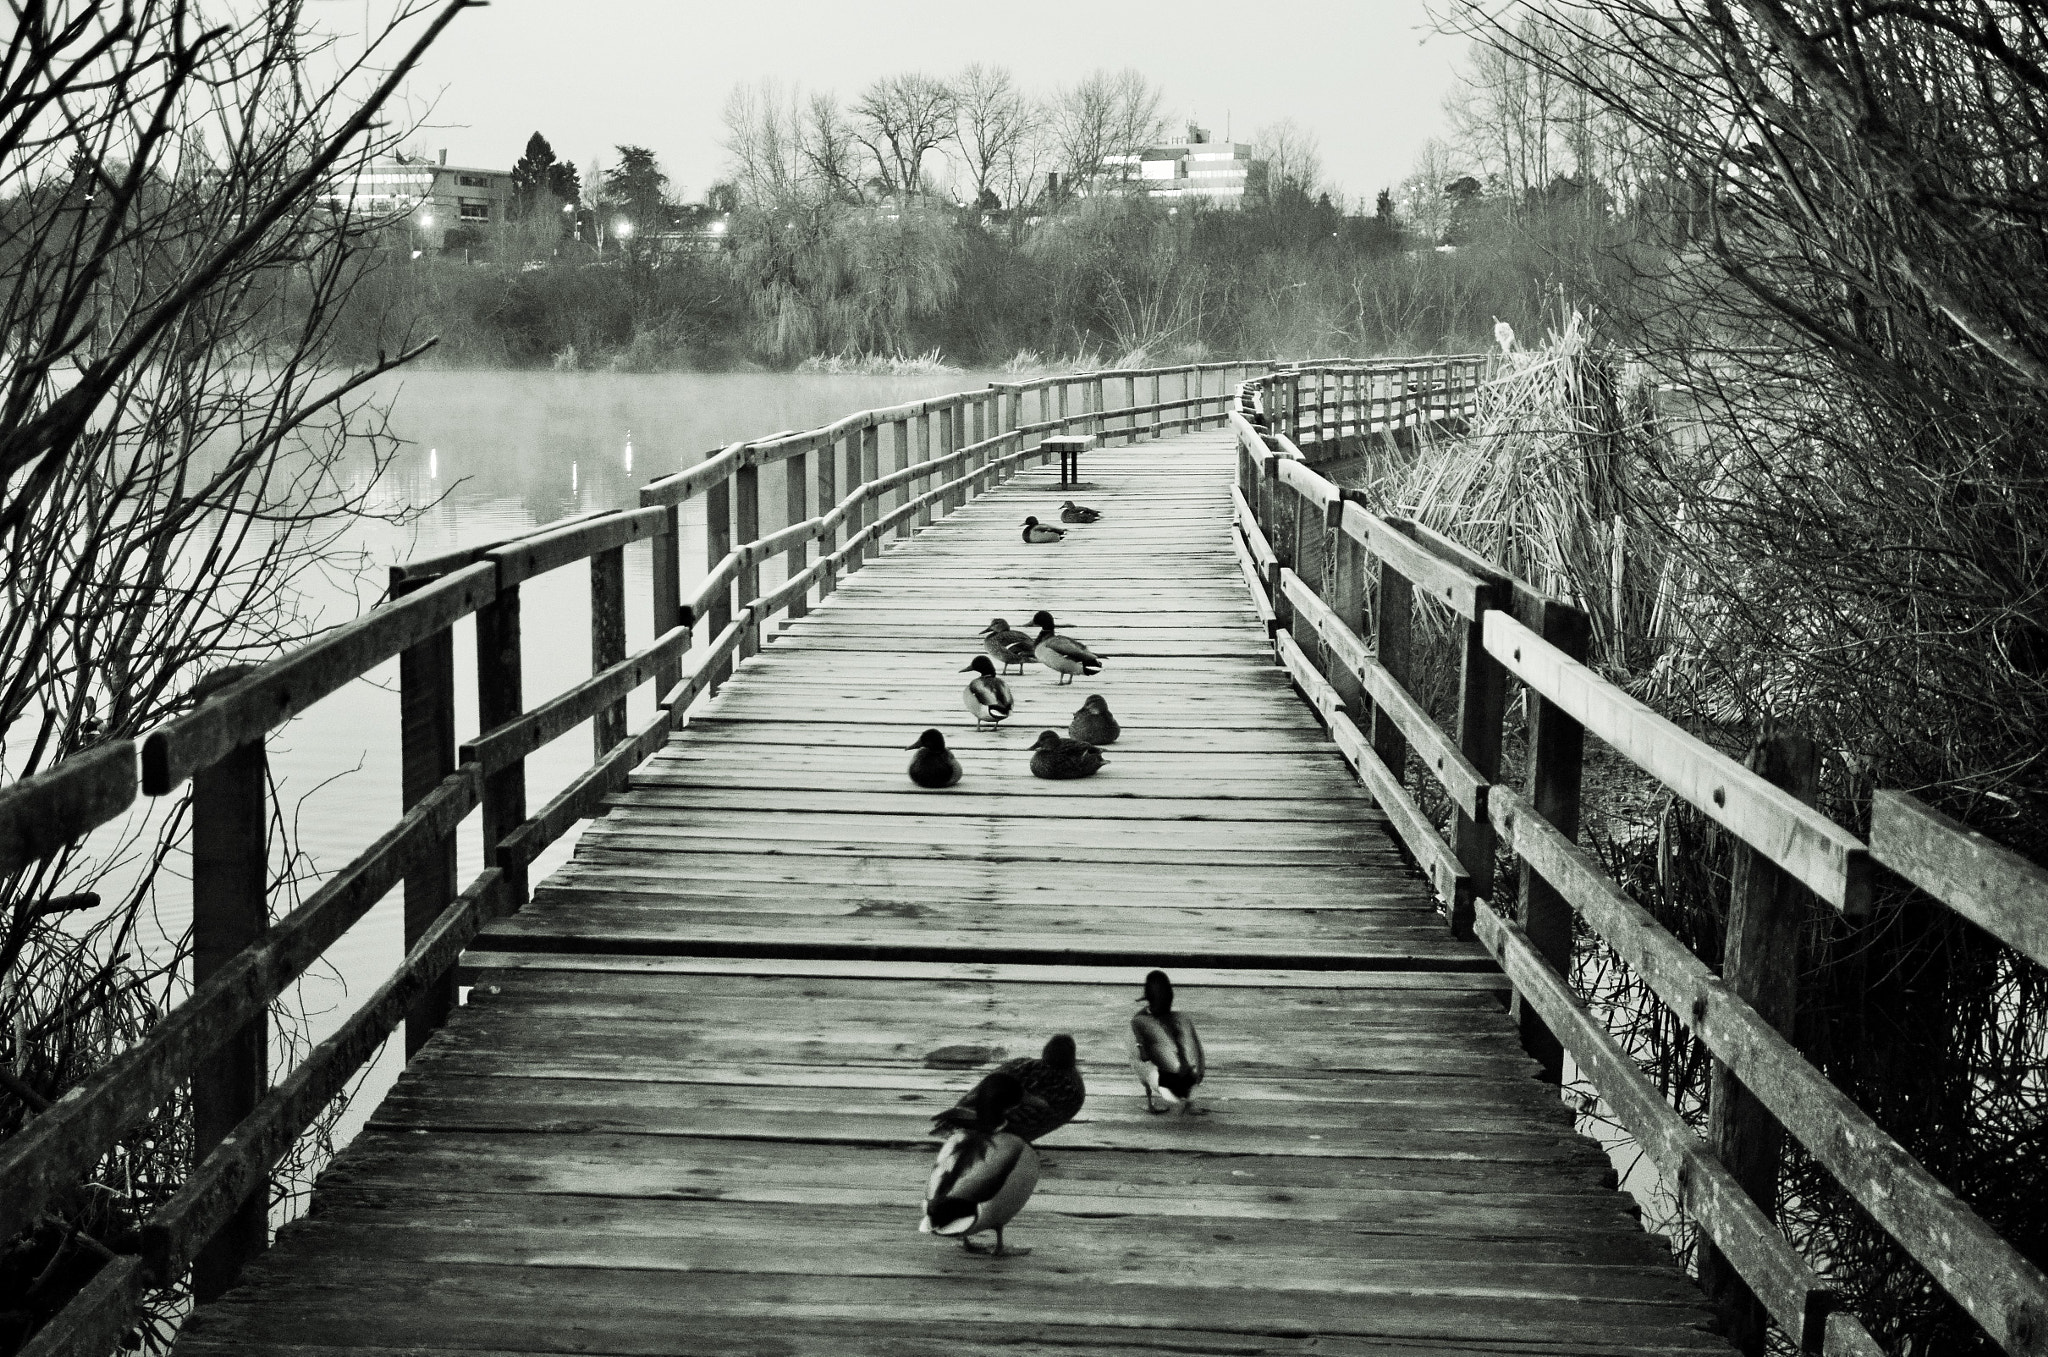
column 434, row 197
column 1217, row 171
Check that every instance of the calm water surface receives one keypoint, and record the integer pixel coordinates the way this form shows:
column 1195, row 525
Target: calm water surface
column 494, row 454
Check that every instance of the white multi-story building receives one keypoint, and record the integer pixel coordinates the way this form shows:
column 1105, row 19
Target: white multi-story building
column 1217, row 171
column 432, row 197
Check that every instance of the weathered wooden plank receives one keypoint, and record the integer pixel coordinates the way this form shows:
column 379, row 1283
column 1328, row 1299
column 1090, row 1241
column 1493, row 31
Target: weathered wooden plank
column 1816, row 850
column 250, row 707
column 1988, row 884
column 40, row 815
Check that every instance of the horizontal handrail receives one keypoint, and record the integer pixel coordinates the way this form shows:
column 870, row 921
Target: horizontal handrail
column 258, row 703
column 42, row 815
column 1827, row 859
column 61, row 1144
column 536, row 554
column 1990, row 1278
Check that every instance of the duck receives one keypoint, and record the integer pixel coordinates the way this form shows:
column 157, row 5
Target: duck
column 1053, row 1093
column 985, row 1172
column 1006, row 644
column 1166, row 1050
column 1062, row 653
column 1053, row 757
column 1071, row 512
column 1093, row 724
column 987, row 696
column 933, row 765
column 1038, row 534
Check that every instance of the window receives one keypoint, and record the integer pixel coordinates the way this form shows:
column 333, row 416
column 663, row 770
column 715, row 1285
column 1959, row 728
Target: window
column 476, row 211
column 473, row 180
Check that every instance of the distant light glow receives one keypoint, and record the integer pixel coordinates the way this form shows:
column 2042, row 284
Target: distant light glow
column 629, row 449
column 572, row 478
column 623, row 228
column 433, row 464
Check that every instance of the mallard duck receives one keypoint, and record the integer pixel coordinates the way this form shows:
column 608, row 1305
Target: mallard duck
column 933, row 765
column 1062, row 653
column 1166, row 1049
column 1071, row 512
column 1053, row 757
column 985, row 1171
column 1006, row 644
column 1038, row 534
column 1093, row 724
column 1053, row 1093
column 987, row 696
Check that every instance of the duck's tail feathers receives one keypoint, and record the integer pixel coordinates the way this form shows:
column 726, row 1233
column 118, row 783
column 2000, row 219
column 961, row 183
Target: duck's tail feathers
column 954, row 1119
column 947, row 1216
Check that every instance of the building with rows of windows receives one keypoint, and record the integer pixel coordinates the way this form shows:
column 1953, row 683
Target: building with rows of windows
column 1218, row 171
column 436, row 200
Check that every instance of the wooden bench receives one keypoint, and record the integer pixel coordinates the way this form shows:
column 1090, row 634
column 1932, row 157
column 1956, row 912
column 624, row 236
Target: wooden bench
column 1069, row 447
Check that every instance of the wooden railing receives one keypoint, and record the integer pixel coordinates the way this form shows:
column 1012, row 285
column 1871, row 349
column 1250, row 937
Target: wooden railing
column 1338, row 586
column 840, row 507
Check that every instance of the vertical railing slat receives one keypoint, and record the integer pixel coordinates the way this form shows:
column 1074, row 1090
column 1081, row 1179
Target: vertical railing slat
column 607, row 640
column 426, row 713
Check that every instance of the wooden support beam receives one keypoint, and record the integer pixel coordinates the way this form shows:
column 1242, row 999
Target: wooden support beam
column 667, row 562
column 426, row 713
column 746, row 529
column 607, row 640
column 1557, row 746
column 230, row 912
column 500, row 696
column 1768, row 911
column 717, row 546
column 796, row 496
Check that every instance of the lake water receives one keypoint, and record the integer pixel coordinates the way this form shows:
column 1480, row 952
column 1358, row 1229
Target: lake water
column 494, row 454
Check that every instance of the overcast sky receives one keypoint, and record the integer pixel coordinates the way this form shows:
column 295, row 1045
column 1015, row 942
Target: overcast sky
column 1367, row 77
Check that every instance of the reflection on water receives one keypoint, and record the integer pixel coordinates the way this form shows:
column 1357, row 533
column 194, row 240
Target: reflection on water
column 504, row 453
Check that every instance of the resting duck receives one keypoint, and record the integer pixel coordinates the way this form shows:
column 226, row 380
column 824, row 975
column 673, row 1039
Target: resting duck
column 1038, row 534
column 985, row 1173
column 1053, row 757
column 1062, row 653
column 987, row 696
column 1006, row 644
column 1053, row 1093
column 933, row 765
column 1166, row 1049
column 1093, row 724
column 1071, row 512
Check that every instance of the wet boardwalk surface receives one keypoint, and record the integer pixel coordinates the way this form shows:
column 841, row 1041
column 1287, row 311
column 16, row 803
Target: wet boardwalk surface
column 686, row 1109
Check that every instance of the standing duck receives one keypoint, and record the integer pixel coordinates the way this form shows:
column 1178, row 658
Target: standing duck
column 1093, row 724
column 986, row 1172
column 1071, row 512
column 1038, row 534
column 1006, row 644
column 1055, row 758
column 1053, row 1093
column 933, row 765
column 1167, row 1051
column 987, row 696
column 1062, row 653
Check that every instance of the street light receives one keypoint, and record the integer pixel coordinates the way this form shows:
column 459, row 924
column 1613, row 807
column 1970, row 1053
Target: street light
column 622, row 228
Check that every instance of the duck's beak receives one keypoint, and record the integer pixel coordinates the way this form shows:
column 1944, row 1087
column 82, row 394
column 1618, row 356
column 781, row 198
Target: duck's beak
column 915, row 744
column 987, row 631
column 967, row 669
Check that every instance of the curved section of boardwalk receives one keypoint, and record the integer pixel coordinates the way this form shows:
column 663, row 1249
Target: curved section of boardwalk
column 685, row 1110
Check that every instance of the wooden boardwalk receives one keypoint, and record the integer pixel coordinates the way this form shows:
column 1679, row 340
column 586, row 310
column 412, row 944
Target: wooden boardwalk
column 686, row 1107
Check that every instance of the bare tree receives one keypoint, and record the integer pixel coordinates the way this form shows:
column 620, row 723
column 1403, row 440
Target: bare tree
column 831, row 151
column 1100, row 125
column 178, row 452
column 901, row 119
column 994, row 122
column 1294, row 161
column 764, row 141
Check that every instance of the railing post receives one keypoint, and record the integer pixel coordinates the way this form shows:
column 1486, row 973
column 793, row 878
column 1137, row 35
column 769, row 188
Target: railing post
column 1392, row 627
column 870, row 468
column 1157, row 417
column 949, row 422
column 1130, row 405
column 925, row 452
column 667, row 560
column 1347, row 600
column 717, row 546
column 746, row 530
column 426, row 715
column 828, row 499
column 1557, row 747
column 1482, row 712
column 500, row 696
column 607, row 640
column 796, row 479
column 903, row 492
column 230, row 868
column 1767, row 912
